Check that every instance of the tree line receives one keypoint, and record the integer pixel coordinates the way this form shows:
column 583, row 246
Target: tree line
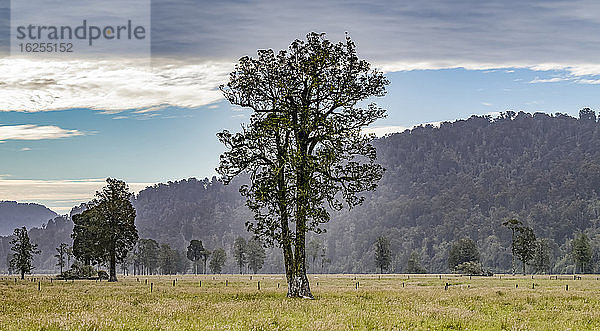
column 464, row 257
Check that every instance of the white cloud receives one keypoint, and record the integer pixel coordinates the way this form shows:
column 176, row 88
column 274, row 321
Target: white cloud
column 58, row 195
column 24, row 149
column 35, row 132
column 486, row 104
column 32, row 85
column 549, row 80
column 381, row 131
column 589, row 81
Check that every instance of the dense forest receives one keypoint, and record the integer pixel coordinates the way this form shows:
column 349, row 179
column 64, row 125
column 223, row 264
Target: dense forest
column 461, row 179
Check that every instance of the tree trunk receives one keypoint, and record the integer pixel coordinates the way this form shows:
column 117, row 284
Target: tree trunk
column 299, row 286
column 512, row 246
column 22, row 274
column 113, row 267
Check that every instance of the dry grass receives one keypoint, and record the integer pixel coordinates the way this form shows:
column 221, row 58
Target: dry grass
column 389, row 302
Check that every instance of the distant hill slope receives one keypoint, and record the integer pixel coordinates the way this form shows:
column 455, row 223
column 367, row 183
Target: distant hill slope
column 14, row 215
column 462, row 178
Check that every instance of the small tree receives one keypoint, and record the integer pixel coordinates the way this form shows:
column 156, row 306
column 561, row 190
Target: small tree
column 205, row 255
column 463, row 250
column 582, row 252
column 256, row 254
column 194, row 252
column 60, row 256
column 413, row 265
column 541, row 256
column 217, row 261
column 525, row 244
column 182, row 264
column 147, row 255
column 24, row 250
column 383, row 254
column 239, row 253
column 167, row 260
column 513, row 225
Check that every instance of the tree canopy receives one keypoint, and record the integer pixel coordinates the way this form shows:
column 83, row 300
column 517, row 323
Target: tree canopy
column 303, row 147
column 106, row 230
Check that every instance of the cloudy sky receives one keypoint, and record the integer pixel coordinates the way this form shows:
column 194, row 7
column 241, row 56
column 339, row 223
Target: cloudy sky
column 148, row 112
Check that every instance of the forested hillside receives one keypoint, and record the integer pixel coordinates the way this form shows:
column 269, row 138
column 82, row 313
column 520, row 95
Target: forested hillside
column 465, row 178
column 461, row 179
column 13, row 214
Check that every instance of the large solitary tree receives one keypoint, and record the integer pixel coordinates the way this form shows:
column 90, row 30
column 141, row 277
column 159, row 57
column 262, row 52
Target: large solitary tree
column 303, row 148
column 106, row 231
column 24, row 250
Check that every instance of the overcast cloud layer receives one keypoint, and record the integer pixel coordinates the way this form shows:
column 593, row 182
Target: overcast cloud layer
column 204, row 39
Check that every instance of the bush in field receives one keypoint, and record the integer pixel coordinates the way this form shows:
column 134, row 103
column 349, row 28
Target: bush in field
column 472, row 268
column 80, row 271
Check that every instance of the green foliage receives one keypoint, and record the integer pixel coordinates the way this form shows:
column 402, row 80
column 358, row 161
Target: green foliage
column 240, row 253
column 61, row 255
column 79, row 271
column 542, row 256
column 471, row 268
column 463, row 250
column 525, row 245
column 383, row 254
column 582, row 253
column 24, row 250
column 195, row 253
column 303, row 147
column 513, row 225
column 171, row 261
column 256, row 254
column 106, row 231
column 413, row 265
column 217, row 260
column 463, row 178
column 146, row 256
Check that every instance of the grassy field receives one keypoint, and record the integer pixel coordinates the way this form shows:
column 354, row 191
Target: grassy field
column 389, row 302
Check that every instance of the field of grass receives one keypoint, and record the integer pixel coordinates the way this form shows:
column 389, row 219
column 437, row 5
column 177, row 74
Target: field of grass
column 380, row 302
